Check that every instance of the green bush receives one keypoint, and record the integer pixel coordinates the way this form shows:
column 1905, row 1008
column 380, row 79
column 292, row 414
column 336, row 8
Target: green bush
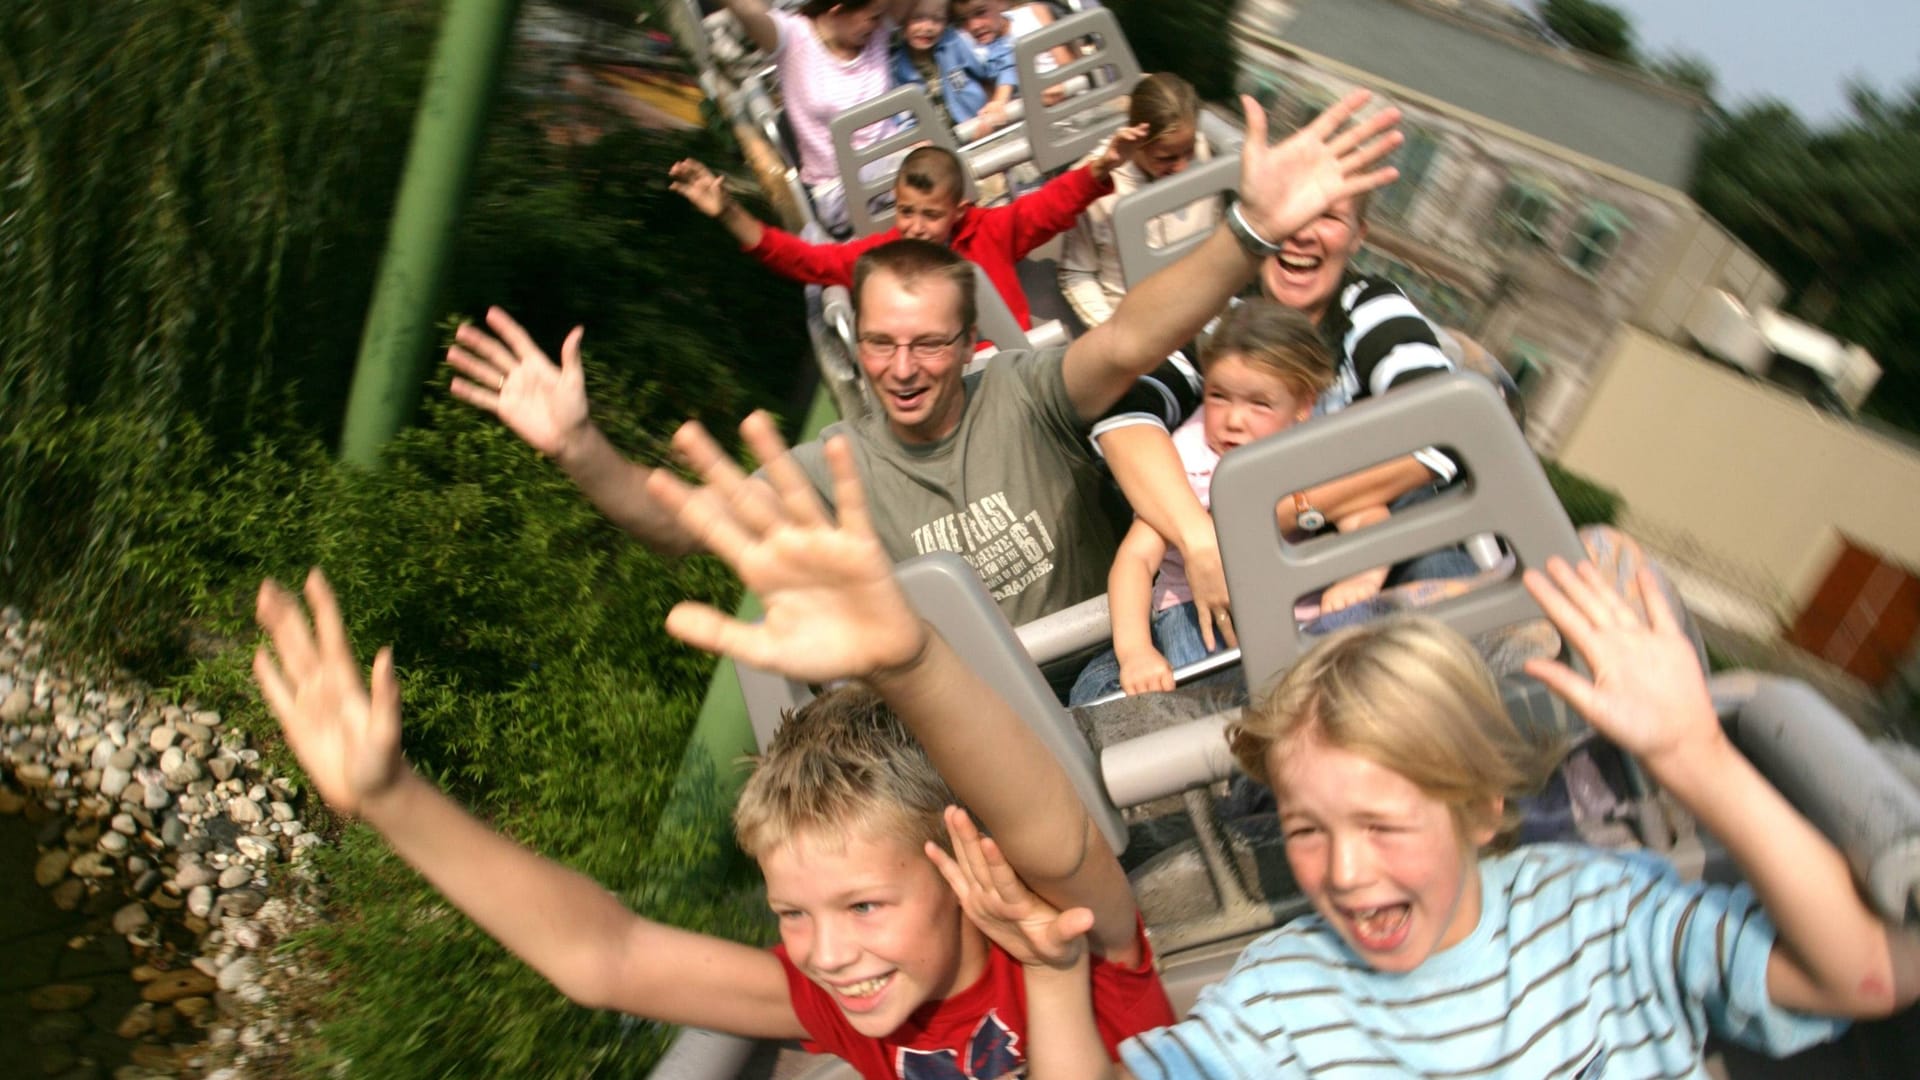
column 1587, row 503
column 1192, row 38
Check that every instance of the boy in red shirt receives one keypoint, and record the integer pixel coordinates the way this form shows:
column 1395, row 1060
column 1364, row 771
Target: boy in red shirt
column 929, row 204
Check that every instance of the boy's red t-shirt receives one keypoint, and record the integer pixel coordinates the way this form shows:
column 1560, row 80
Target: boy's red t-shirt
column 979, row 1033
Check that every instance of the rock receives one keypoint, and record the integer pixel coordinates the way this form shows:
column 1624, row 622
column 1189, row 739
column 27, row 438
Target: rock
column 245, row 811
column 83, row 835
column 242, row 902
column 147, row 882
column 92, row 864
column 135, row 792
column 222, row 768
column 156, row 798
column 200, row 901
column 173, row 831
column 259, row 850
column 193, row 1007
column 242, row 972
column 124, row 758
column 14, row 707
column 130, row 918
column 174, row 985
column 208, row 966
column 59, row 997
column 209, row 717
column 68, row 894
column 162, row 737
column 196, row 731
column 251, row 993
column 154, row 1056
column 115, row 843
column 145, row 973
column 34, row 775
column 124, row 824
column 114, row 780
column 57, row 1028
column 172, row 758
column 165, row 901
column 193, row 874
column 137, row 1022
column 138, row 864
column 291, row 828
column 51, row 867
column 235, row 876
column 282, row 811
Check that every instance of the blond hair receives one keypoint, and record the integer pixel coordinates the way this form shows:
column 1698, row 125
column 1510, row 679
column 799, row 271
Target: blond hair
column 838, row 763
column 1164, row 102
column 1413, row 696
column 1272, row 336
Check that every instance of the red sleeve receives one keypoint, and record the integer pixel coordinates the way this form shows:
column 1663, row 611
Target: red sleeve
column 1042, row 215
column 1128, row 1001
column 814, row 264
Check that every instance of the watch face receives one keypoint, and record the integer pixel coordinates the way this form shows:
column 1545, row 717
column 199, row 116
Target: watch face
column 1310, row 519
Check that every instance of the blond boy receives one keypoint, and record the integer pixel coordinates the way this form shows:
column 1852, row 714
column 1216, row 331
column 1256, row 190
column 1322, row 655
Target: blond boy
column 876, row 961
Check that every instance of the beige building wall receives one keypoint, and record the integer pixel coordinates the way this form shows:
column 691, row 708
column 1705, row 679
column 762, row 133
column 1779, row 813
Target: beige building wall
column 1753, row 475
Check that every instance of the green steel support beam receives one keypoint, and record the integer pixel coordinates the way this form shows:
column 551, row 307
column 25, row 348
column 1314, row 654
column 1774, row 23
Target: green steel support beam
column 467, row 61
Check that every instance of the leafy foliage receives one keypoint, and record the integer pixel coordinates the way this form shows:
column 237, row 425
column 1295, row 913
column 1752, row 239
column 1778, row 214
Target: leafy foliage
column 1192, row 39
column 1587, row 503
column 1591, row 26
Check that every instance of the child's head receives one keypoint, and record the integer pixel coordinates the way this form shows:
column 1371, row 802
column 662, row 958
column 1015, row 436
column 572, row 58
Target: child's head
column 1170, row 109
column 983, row 20
column 926, row 21
column 837, row 813
column 1393, row 760
column 1264, row 366
column 928, row 194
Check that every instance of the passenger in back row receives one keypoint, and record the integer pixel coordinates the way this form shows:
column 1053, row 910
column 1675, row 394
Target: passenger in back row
column 930, row 203
column 1263, row 366
column 1166, row 109
column 1431, row 952
column 973, row 87
column 993, row 466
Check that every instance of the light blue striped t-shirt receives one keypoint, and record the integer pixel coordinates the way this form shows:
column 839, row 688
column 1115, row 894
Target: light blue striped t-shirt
column 1584, row 964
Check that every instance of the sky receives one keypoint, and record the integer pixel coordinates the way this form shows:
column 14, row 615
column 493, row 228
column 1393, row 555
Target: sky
column 1801, row 51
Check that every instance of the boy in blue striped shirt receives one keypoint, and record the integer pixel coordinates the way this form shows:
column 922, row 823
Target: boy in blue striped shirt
column 1394, row 765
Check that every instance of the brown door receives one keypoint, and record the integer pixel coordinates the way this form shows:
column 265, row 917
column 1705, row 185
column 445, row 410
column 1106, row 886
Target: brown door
column 1864, row 616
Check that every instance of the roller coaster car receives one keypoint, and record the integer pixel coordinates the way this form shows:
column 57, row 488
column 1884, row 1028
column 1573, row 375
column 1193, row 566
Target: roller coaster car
column 1207, row 884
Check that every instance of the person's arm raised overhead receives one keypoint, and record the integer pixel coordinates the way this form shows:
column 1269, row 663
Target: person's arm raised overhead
column 1282, row 187
column 1832, row 955
column 569, row 929
column 546, row 405
column 707, row 192
column 756, row 22
column 834, row 610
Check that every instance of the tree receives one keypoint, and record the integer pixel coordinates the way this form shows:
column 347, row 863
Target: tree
column 1687, row 70
column 1592, row 27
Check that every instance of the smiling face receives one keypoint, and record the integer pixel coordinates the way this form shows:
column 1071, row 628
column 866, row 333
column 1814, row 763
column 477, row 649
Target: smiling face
column 922, row 395
column 872, row 922
column 925, row 23
column 924, row 215
column 1246, row 402
column 1306, row 274
column 1168, row 154
column 1384, row 863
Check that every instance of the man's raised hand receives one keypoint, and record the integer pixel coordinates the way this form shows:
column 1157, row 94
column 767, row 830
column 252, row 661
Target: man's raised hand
column 347, row 740
column 832, row 607
column 1285, row 186
column 509, row 376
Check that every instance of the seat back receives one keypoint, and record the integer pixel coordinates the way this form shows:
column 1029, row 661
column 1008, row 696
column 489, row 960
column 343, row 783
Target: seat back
column 867, row 172
column 1504, row 491
column 1139, row 259
column 993, row 318
column 949, row 595
column 1063, row 133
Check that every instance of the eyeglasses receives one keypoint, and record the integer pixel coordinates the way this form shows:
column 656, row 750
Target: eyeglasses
column 881, row 347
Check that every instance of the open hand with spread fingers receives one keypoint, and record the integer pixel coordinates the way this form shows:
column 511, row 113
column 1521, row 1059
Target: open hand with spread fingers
column 999, row 903
column 1647, row 693
column 833, row 609
column 509, row 376
column 1286, row 185
column 347, row 739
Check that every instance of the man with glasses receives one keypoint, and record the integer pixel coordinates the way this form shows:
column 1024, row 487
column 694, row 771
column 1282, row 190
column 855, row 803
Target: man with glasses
column 994, row 466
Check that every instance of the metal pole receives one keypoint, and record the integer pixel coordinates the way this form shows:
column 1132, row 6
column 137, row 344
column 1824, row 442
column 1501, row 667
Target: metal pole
column 474, row 35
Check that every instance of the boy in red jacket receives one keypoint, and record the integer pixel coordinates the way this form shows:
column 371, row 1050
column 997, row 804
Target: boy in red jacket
column 929, row 204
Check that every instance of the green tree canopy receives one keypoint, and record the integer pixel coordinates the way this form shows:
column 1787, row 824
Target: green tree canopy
column 1591, row 26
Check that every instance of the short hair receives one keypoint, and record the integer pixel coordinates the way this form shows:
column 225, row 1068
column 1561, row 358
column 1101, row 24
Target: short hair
column 1277, row 338
column 1412, row 695
column 910, row 260
column 1163, row 101
column 1360, row 204
column 813, row 9
column 841, row 762
column 933, row 170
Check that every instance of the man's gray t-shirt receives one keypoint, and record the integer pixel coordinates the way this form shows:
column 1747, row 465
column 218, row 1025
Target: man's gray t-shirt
column 1014, row 490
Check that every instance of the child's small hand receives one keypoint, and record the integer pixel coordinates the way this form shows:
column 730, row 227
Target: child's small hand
column 991, row 117
column 833, row 609
column 1647, row 694
column 1350, row 591
column 699, row 186
column 1120, row 150
column 347, row 740
column 998, row 902
column 1145, row 673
